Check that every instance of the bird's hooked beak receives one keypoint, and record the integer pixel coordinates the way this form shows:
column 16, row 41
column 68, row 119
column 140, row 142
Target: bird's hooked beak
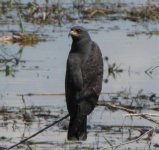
column 73, row 33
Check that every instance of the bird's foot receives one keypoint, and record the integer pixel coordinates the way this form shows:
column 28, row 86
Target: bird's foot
column 83, row 137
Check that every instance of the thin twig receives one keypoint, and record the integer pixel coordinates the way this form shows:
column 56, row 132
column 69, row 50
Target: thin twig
column 26, row 139
column 42, row 94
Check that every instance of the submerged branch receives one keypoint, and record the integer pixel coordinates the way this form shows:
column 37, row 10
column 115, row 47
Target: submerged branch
column 116, row 106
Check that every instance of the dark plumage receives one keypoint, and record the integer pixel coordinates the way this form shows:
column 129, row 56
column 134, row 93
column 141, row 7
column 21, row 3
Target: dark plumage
column 83, row 82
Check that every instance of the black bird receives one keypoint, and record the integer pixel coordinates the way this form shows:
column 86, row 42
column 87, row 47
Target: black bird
column 83, row 81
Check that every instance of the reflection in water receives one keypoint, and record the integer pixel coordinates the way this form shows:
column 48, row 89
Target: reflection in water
column 113, row 69
column 151, row 70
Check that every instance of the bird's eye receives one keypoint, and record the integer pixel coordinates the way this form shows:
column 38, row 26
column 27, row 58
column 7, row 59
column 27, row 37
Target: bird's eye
column 78, row 30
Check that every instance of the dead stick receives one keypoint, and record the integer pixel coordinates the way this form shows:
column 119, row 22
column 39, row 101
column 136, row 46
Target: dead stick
column 52, row 124
column 42, row 94
column 114, row 106
column 50, row 94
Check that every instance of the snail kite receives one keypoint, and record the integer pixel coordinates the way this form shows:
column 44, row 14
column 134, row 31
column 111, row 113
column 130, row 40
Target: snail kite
column 83, row 81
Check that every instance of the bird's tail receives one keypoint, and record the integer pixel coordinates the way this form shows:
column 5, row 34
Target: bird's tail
column 78, row 128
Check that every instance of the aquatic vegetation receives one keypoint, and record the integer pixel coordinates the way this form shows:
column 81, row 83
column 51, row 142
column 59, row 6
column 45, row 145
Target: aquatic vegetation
column 145, row 13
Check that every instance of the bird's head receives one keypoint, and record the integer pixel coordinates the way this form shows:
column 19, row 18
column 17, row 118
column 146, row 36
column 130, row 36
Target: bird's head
column 78, row 33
